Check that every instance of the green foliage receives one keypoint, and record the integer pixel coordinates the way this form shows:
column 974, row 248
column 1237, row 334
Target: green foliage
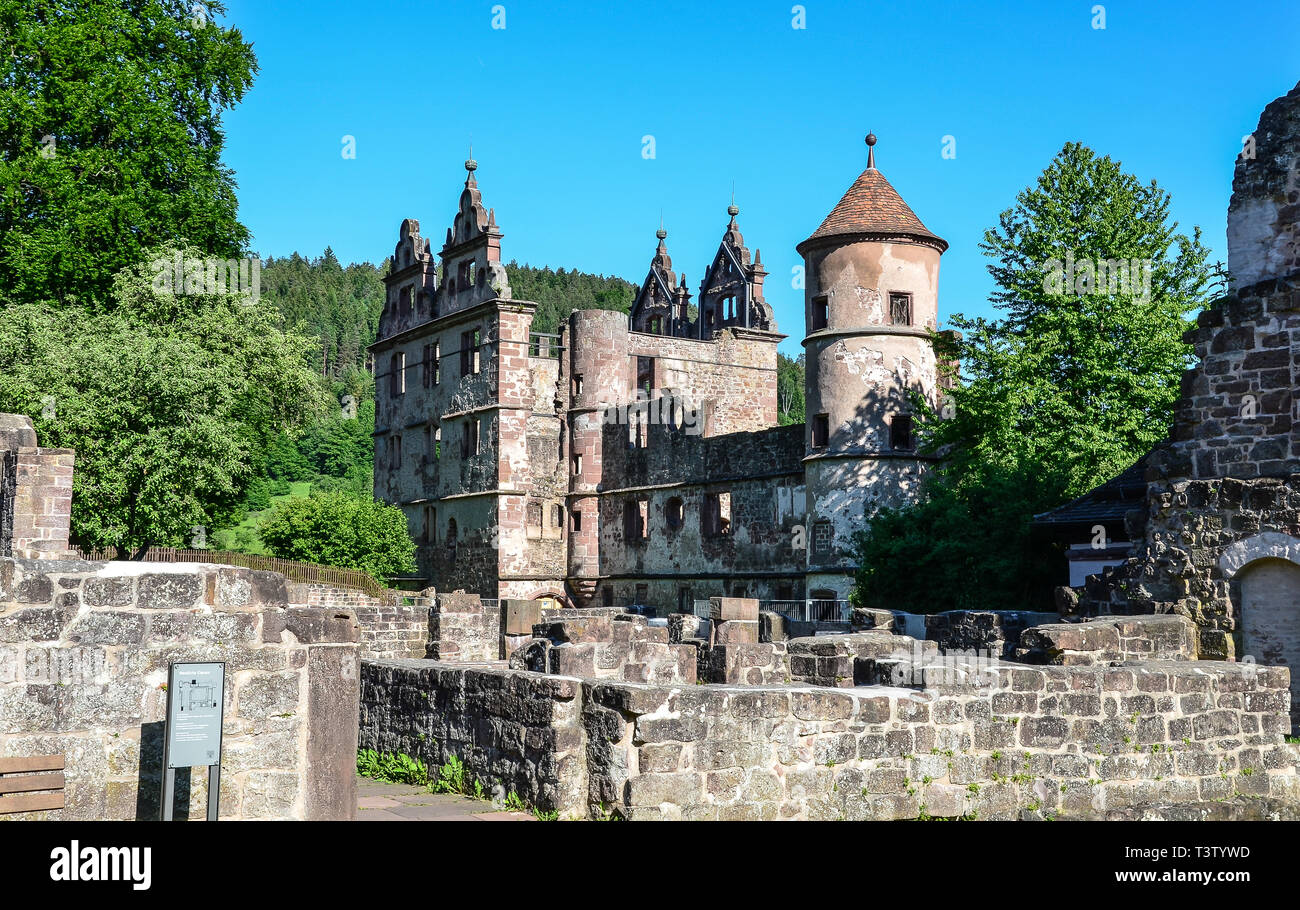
column 130, row 96
column 170, row 401
column 336, row 529
column 339, row 307
column 558, row 293
column 1060, row 394
column 453, row 778
column 789, row 389
column 392, row 767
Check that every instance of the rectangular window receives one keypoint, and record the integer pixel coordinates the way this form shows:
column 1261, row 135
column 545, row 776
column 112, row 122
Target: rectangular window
column 634, row 519
column 900, row 309
column 395, row 452
column 715, row 518
column 607, row 596
column 820, row 312
column 642, row 593
column 645, row 375
column 577, row 464
column 397, row 374
column 900, row 432
column 469, row 445
column 426, row 366
column 785, row 592
column 534, row 519
column 821, row 431
column 437, row 362
column 469, row 352
column 575, row 518
column 577, row 384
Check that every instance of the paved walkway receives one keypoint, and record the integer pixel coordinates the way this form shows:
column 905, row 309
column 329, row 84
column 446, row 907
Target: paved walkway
column 406, row 803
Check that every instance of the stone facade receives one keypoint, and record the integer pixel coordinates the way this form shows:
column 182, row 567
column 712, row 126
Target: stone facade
column 636, row 458
column 1136, row 740
column 392, row 626
column 84, row 651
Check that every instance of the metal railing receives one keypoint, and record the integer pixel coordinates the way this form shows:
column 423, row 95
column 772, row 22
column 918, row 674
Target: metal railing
column 815, row 611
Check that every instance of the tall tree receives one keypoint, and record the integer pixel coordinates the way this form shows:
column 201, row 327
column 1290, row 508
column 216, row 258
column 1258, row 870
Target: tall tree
column 171, row 402
column 1073, row 384
column 110, row 139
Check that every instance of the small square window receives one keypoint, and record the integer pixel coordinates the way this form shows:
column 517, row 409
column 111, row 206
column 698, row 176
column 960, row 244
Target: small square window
column 900, row 432
column 900, row 309
column 820, row 312
column 821, row 431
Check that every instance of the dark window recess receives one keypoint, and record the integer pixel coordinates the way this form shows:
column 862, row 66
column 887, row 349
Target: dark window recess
column 785, row 592
column 607, row 596
column 900, row 432
column 820, row 312
column 634, row 519
column 821, row 431
column 900, row 309
column 645, row 375
column 642, row 593
column 673, row 514
column 715, row 519
column 577, row 521
column 557, row 516
column 469, row 352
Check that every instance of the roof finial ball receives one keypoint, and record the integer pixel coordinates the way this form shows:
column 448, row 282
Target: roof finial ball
column 471, row 165
column 661, row 233
column 871, row 151
column 733, row 210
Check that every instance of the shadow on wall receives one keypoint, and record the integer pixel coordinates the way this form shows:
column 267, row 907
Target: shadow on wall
column 148, row 794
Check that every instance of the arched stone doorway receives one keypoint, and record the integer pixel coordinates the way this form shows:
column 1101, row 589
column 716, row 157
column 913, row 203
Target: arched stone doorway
column 1266, row 569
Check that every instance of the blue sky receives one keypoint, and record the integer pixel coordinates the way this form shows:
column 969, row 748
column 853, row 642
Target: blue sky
column 557, row 104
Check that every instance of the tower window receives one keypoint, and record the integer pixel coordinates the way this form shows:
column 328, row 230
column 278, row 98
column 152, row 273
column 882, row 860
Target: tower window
column 900, row 432
column 900, row 309
column 821, row 431
column 395, row 452
column 575, row 521
column 469, row 441
column 820, row 312
column 557, row 516
column 577, row 464
column 577, row 384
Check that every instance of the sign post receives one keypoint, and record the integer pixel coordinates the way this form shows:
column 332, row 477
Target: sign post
column 195, row 707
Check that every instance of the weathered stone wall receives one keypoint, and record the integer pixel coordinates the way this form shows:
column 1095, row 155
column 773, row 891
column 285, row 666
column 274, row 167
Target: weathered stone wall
column 521, row 732
column 84, row 651
column 35, row 493
column 1137, row 740
column 605, row 644
column 994, row 632
column 390, row 628
column 464, row 627
column 1263, row 227
column 1166, row 637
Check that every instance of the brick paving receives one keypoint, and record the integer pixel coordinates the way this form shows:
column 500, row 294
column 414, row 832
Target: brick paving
column 378, row 801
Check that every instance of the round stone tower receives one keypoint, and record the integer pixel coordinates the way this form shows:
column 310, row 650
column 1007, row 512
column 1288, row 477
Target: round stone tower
column 871, row 274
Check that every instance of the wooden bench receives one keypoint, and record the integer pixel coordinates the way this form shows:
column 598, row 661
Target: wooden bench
column 21, row 779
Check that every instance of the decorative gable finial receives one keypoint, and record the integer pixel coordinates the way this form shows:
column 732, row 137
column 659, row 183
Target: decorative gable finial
column 871, row 151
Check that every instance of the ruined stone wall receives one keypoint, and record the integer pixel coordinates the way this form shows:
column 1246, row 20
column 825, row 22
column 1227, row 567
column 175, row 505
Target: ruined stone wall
column 464, row 627
column 734, row 373
column 390, row 627
column 1263, row 227
column 35, row 493
column 605, row 644
column 1138, row 740
column 762, row 549
column 84, row 650
column 993, row 632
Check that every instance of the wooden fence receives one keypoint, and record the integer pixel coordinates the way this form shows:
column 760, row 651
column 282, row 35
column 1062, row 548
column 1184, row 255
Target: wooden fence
column 294, row 571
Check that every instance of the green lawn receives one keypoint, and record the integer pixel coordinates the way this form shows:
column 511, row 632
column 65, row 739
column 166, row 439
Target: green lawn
column 243, row 537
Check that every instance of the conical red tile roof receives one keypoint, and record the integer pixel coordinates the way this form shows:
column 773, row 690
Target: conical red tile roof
column 873, row 206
